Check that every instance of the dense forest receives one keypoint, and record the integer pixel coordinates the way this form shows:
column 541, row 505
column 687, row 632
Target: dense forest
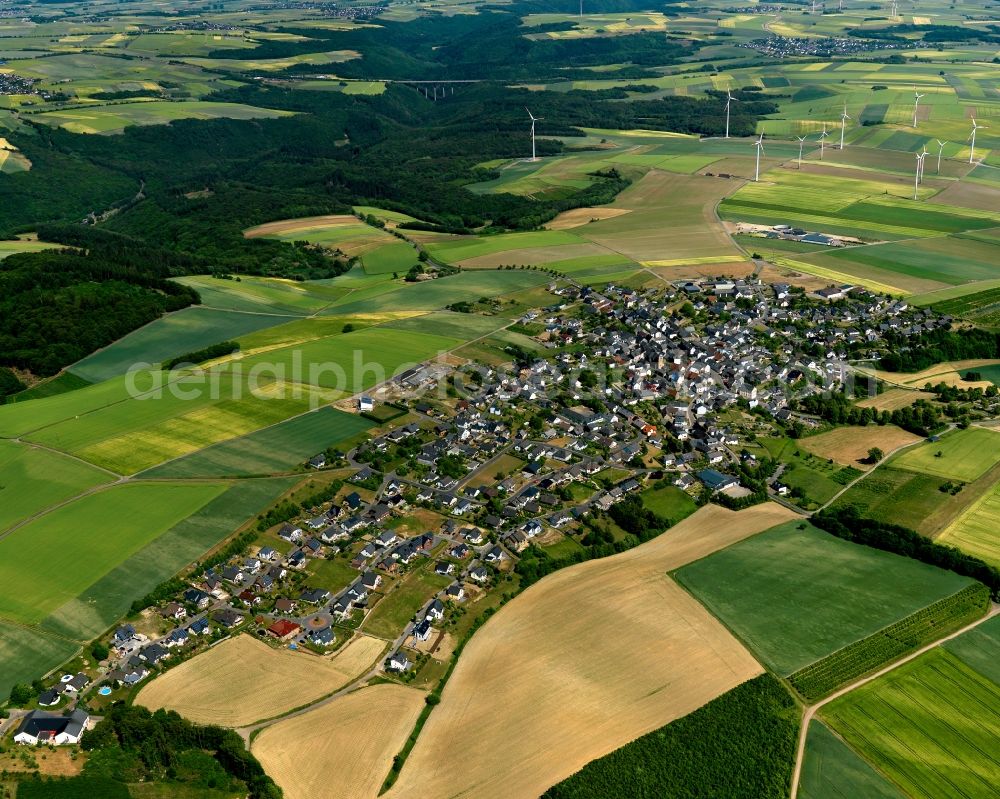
column 737, row 746
column 164, row 200
column 58, row 306
column 913, row 355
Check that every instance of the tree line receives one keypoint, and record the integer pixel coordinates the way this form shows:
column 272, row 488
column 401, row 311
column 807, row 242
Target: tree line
column 740, row 745
column 848, row 523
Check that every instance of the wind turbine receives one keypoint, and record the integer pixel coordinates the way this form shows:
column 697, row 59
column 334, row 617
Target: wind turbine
column 923, row 157
column 822, row 142
column 843, row 124
column 916, row 176
column 729, row 99
column 534, row 119
column 801, row 140
column 941, row 145
column 916, row 103
column 759, row 144
column 975, row 127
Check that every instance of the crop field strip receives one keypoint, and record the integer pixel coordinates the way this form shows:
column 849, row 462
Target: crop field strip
column 844, row 592
column 832, row 770
column 64, row 562
column 979, row 648
column 275, row 449
column 977, row 530
column 930, row 725
column 865, row 656
column 961, row 455
column 98, row 606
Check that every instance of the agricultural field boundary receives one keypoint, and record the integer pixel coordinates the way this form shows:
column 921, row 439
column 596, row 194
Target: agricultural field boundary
column 813, row 709
column 820, row 678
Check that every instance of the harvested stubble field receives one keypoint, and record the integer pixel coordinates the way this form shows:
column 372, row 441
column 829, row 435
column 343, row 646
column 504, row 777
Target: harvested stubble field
column 950, row 373
column 894, row 399
column 849, row 445
column 517, row 691
column 348, row 755
column 581, row 216
column 243, row 680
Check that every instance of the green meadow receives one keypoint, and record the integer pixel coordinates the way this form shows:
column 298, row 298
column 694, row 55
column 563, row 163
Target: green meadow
column 832, row 770
column 263, row 294
column 351, row 362
column 33, row 479
column 796, row 595
column 431, row 295
column 389, row 258
column 115, row 118
column 280, row 448
column 192, row 530
column 26, row 654
column 169, row 336
column 54, row 558
column 904, row 497
column 961, row 455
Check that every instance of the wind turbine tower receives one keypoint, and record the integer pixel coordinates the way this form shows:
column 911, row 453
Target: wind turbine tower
column 759, row 144
column 923, row 157
column 843, row 125
column 534, row 119
column 916, row 176
column 729, row 100
column 941, row 145
column 822, row 142
column 801, row 140
column 972, row 151
column 916, row 104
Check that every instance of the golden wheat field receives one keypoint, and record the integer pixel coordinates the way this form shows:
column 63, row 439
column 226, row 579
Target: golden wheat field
column 343, row 748
column 243, row 680
column 582, row 662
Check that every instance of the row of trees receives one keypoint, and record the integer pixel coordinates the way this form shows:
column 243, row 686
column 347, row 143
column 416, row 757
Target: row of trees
column 914, row 354
column 849, row 523
column 921, row 417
